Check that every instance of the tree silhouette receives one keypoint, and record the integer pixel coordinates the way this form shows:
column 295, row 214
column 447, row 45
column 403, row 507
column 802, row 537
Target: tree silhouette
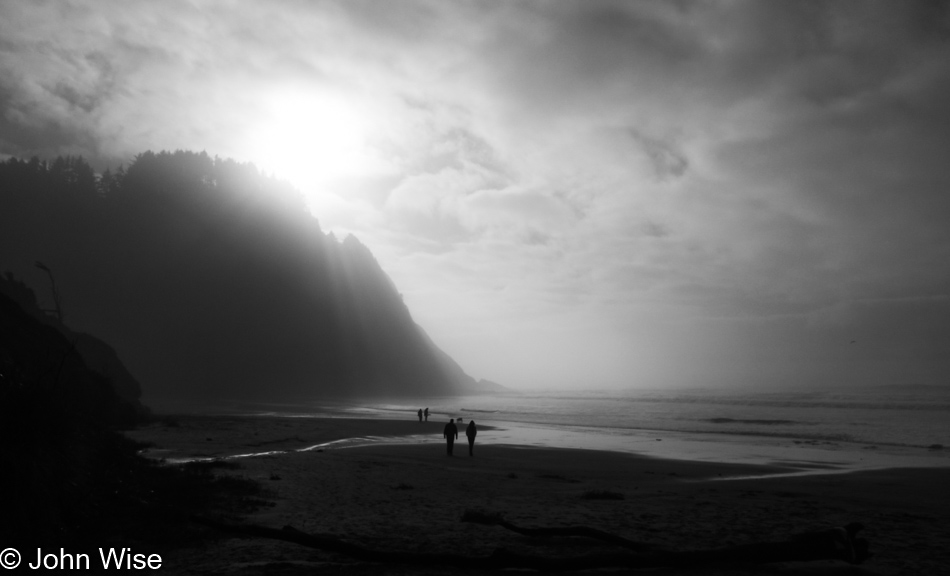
column 58, row 310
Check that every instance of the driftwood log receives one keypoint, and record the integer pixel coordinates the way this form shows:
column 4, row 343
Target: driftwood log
column 831, row 544
column 488, row 519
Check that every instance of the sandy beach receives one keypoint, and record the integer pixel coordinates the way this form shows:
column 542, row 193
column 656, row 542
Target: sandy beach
column 410, row 497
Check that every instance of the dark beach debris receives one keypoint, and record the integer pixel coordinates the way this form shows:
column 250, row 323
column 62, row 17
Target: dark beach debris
column 601, row 495
column 559, row 477
column 496, row 519
column 832, row 544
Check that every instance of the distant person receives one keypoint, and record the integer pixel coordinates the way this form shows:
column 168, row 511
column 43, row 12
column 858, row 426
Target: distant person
column 471, row 431
column 426, row 413
column 450, row 433
column 420, row 414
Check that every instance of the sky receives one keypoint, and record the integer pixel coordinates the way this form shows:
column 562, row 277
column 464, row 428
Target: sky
column 568, row 194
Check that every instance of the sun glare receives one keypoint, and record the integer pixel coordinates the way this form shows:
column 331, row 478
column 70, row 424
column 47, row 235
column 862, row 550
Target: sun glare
column 309, row 140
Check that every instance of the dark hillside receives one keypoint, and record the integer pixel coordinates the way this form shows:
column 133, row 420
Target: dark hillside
column 96, row 354
column 56, row 416
column 214, row 282
column 68, row 477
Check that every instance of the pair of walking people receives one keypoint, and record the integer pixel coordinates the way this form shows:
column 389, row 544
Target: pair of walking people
column 451, row 432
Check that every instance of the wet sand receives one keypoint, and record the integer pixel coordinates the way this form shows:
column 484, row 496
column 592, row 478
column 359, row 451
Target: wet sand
column 410, row 497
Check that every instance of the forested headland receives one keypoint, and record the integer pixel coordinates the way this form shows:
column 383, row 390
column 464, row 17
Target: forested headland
column 213, row 281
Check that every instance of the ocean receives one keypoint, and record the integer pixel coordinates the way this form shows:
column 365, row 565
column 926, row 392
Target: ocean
column 809, row 431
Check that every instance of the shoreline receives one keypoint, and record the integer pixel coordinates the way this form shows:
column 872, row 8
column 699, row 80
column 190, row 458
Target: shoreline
column 237, row 436
column 410, row 496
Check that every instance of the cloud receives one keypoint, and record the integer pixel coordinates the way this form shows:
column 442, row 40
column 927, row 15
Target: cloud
column 529, row 214
column 740, row 166
column 667, row 162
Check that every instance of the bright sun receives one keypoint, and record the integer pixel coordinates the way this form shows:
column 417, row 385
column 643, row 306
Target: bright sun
column 309, row 139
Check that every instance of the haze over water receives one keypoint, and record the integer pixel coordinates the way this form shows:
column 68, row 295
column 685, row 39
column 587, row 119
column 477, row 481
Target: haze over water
column 810, row 431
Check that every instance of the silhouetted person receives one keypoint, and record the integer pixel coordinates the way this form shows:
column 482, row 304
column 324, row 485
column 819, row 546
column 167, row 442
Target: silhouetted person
column 471, row 431
column 426, row 413
column 451, row 432
column 420, row 414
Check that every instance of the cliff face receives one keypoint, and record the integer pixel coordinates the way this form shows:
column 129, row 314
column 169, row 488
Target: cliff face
column 46, row 387
column 213, row 282
column 97, row 355
column 56, row 421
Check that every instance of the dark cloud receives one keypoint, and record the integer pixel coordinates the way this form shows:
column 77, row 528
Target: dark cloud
column 667, row 162
column 25, row 134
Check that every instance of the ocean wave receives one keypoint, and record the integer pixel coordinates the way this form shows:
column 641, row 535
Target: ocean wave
column 797, row 435
column 870, row 401
column 881, row 404
column 749, row 421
